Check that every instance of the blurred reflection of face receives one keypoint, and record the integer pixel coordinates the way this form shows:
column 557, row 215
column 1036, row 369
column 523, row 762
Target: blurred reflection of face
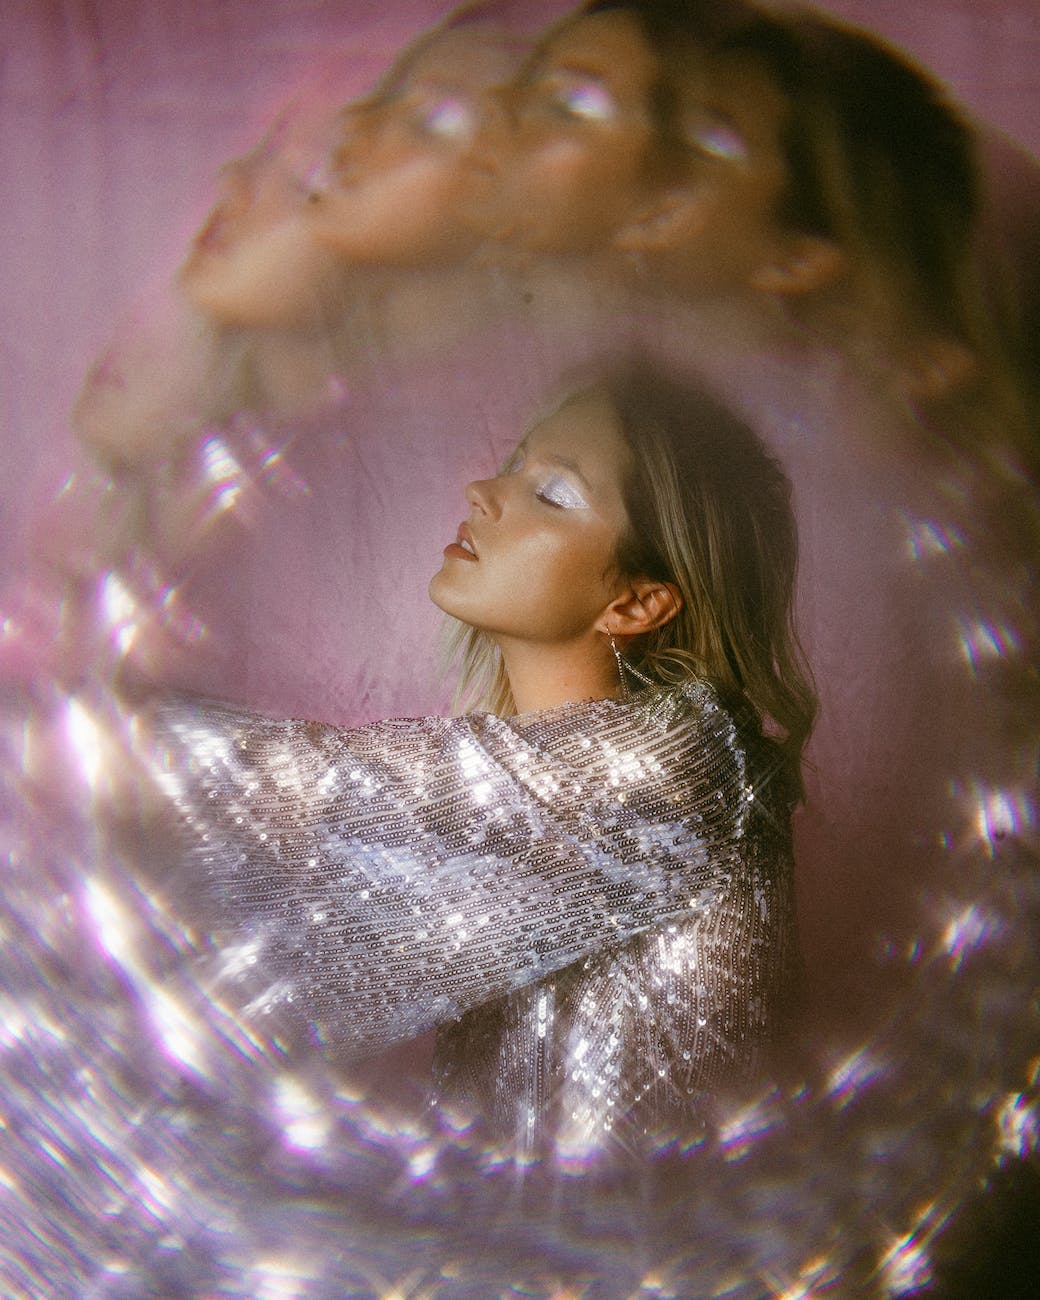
column 577, row 164
column 569, row 168
column 734, row 174
column 253, row 263
column 400, row 185
column 536, row 560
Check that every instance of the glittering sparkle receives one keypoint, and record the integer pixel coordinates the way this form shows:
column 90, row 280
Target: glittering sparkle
column 183, row 1111
column 1018, row 1126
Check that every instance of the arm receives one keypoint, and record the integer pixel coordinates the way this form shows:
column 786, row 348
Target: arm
column 385, row 878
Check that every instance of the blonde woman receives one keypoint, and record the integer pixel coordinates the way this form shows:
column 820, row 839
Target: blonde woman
column 585, row 884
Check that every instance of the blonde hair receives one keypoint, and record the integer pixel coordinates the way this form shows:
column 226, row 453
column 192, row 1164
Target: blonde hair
column 710, row 511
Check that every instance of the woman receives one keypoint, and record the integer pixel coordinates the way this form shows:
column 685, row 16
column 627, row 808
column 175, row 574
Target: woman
column 588, row 890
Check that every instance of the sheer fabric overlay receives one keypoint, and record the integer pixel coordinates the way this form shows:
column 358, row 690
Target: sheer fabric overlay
column 592, row 903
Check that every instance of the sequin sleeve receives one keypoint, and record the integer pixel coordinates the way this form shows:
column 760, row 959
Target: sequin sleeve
column 376, row 881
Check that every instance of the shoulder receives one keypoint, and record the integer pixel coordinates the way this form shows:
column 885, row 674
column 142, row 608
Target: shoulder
column 666, row 746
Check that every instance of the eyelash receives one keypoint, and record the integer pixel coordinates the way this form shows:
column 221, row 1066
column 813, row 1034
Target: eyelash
column 718, row 145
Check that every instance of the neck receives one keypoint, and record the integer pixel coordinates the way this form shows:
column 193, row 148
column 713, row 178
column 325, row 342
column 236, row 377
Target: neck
column 415, row 312
column 543, row 676
column 294, row 369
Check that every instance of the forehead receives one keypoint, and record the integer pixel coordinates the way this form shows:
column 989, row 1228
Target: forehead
column 610, row 46
column 474, row 58
column 583, row 429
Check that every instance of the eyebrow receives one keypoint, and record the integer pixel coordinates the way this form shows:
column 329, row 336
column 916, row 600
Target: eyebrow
column 712, row 114
column 564, row 462
column 570, row 69
column 542, row 61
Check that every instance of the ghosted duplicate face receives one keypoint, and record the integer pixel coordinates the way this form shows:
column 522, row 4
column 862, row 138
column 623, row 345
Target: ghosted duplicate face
column 722, row 229
column 401, row 185
column 254, row 263
column 563, row 163
column 600, row 147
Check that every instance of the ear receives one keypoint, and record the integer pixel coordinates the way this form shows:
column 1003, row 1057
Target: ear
column 642, row 607
column 803, row 264
column 657, row 226
column 937, row 367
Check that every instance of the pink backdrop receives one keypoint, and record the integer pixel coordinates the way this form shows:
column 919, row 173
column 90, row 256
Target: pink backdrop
column 116, row 115
column 116, row 118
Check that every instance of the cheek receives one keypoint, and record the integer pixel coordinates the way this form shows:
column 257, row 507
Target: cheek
column 263, row 280
column 573, row 168
column 576, row 192
column 277, row 199
column 567, row 574
column 396, row 210
column 729, row 228
column 209, row 280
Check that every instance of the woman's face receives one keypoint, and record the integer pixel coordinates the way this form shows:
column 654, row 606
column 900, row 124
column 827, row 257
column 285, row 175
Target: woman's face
column 733, row 176
column 536, row 559
column 577, row 163
column 564, row 165
column 253, row 263
column 400, row 183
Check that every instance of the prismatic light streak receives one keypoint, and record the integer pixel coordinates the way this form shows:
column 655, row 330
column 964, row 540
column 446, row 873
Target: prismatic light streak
column 121, row 612
column 1000, row 814
column 856, row 1072
column 739, row 1133
column 905, row 1267
column 223, row 474
column 303, row 1118
column 983, row 639
column 85, row 741
column 970, row 929
column 1018, row 1127
column 927, row 539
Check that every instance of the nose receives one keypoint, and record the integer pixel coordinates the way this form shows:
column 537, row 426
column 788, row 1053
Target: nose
column 350, row 124
column 494, row 131
column 237, row 179
column 483, row 498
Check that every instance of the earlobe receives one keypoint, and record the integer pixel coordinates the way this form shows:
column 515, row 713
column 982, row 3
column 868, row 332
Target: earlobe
column 656, row 227
column 807, row 263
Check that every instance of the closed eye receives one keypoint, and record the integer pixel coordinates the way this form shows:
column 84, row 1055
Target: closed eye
column 586, row 99
column 717, row 140
column 561, row 494
column 448, row 118
column 583, row 98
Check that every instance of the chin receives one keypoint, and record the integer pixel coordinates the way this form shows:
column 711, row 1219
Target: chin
column 440, row 593
column 434, row 591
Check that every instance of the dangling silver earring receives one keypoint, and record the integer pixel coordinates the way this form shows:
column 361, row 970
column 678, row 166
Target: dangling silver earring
column 623, row 666
column 620, row 665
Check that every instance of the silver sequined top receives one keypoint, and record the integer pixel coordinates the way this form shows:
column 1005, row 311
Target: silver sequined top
column 592, row 903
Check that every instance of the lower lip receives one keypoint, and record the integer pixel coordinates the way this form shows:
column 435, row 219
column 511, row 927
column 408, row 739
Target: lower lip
column 453, row 551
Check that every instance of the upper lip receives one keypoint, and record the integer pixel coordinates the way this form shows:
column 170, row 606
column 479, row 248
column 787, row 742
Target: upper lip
column 464, row 538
